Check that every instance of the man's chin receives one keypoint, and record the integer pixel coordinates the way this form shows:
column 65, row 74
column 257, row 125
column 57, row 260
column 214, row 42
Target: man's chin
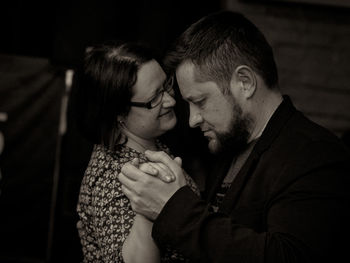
column 217, row 146
column 214, row 146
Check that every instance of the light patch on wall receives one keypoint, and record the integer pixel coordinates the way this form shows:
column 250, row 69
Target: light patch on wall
column 339, row 3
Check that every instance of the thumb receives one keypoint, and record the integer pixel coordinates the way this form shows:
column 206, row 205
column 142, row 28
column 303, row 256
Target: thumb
column 178, row 160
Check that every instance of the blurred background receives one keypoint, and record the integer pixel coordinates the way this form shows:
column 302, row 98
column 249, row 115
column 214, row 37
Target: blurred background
column 42, row 155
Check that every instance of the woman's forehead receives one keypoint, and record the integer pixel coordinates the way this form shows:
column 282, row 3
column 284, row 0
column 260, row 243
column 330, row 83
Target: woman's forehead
column 150, row 79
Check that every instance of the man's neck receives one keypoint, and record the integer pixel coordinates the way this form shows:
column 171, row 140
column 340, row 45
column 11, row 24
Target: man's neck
column 264, row 111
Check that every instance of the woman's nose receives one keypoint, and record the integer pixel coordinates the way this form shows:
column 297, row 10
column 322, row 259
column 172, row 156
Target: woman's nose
column 168, row 100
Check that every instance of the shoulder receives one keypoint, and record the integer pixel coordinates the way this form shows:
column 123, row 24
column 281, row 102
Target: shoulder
column 301, row 138
column 305, row 152
column 105, row 165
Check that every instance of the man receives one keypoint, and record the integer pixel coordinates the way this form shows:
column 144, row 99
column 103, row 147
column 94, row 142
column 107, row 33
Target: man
column 281, row 190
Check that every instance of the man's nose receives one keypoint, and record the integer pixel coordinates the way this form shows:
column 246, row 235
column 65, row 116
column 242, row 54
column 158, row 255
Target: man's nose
column 195, row 118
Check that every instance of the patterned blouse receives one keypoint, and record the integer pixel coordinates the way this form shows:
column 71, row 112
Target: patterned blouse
column 105, row 213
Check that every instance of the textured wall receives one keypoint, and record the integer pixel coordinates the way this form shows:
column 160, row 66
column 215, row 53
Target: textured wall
column 312, row 50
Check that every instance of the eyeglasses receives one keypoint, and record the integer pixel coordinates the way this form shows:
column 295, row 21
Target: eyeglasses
column 157, row 99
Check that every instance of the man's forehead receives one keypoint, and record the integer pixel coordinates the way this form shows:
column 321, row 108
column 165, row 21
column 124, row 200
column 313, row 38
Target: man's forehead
column 186, row 68
column 197, row 90
column 191, row 71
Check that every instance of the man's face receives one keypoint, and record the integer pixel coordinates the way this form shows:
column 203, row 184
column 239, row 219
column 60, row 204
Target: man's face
column 218, row 115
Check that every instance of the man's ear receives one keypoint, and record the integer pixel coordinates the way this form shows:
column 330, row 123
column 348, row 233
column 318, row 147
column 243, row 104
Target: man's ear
column 246, row 79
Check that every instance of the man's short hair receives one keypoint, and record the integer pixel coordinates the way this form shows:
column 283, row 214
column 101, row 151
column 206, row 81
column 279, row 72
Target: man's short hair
column 220, row 42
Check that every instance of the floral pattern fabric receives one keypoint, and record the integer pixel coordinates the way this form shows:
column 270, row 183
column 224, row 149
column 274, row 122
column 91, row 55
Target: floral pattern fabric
column 105, row 213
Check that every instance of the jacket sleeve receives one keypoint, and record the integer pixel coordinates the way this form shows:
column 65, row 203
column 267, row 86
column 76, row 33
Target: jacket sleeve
column 185, row 223
column 306, row 221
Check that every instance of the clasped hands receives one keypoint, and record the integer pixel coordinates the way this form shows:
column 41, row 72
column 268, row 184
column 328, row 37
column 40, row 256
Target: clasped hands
column 150, row 185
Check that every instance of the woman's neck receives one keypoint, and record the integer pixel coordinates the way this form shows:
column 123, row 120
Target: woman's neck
column 137, row 143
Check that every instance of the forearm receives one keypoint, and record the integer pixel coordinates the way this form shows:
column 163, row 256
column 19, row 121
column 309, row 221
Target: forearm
column 215, row 237
column 306, row 222
column 139, row 245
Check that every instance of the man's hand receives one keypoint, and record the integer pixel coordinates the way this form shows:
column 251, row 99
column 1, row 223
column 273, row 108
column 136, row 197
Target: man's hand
column 147, row 193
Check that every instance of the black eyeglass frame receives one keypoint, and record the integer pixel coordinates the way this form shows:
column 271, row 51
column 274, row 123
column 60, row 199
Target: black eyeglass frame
column 167, row 87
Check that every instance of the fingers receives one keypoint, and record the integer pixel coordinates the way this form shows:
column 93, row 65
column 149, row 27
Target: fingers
column 164, row 158
column 126, row 182
column 158, row 170
column 132, row 172
column 127, row 191
column 164, row 173
column 149, row 169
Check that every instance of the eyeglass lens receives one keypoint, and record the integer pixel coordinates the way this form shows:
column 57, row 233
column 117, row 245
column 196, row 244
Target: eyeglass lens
column 168, row 87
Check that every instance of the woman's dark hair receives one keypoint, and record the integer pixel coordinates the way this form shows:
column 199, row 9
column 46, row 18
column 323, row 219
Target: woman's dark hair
column 104, row 88
column 220, row 42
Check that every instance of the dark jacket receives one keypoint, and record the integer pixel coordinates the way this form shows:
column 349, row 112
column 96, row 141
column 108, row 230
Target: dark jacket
column 289, row 202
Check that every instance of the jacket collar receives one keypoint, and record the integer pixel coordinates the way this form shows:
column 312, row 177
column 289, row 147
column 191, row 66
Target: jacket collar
column 277, row 121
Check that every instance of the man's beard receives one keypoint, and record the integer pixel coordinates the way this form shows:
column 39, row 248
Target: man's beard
column 236, row 138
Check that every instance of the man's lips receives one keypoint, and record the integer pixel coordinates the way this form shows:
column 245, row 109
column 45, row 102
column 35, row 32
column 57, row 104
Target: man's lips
column 206, row 133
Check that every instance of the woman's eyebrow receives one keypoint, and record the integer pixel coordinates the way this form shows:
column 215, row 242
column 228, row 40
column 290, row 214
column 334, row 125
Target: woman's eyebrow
column 156, row 92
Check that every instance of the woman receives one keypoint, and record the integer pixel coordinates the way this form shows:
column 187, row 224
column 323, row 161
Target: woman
column 126, row 102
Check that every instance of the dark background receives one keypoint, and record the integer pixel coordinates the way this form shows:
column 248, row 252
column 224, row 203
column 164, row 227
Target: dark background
column 60, row 30
column 312, row 50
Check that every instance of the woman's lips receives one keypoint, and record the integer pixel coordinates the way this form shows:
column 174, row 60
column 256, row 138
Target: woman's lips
column 166, row 113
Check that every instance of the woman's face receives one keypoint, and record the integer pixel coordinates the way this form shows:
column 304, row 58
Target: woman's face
column 150, row 123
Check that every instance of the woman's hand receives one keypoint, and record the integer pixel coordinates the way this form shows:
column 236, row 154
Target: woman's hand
column 146, row 192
